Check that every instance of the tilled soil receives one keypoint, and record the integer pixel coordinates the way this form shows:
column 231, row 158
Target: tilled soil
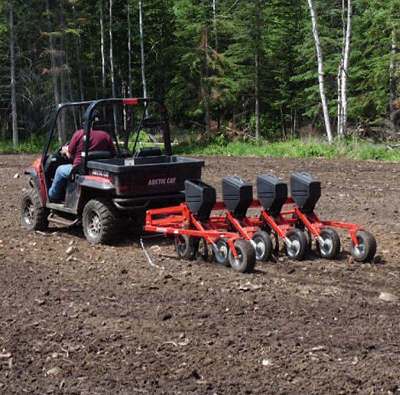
column 82, row 319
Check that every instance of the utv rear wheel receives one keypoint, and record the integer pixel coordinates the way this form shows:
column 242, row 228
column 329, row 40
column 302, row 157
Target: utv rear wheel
column 33, row 214
column 100, row 221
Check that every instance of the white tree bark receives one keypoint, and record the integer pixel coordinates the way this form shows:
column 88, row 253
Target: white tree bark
column 12, row 75
column 112, row 72
column 320, row 72
column 102, row 50
column 143, row 66
column 344, row 72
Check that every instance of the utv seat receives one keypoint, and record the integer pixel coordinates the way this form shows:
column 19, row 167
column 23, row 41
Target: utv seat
column 148, row 151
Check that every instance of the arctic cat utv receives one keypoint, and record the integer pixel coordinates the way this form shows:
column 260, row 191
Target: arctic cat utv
column 105, row 194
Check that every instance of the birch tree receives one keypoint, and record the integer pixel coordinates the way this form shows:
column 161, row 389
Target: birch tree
column 142, row 58
column 320, row 72
column 102, row 50
column 12, row 77
column 344, row 68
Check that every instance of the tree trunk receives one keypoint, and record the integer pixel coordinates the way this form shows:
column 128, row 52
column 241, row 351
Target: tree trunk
column 129, row 55
column 78, row 48
column 206, row 88
column 346, row 57
column 54, row 73
column 339, row 74
column 393, row 80
column 12, row 75
column 257, row 69
column 63, row 70
column 112, row 72
column 102, row 50
column 214, row 7
column 320, row 73
column 143, row 66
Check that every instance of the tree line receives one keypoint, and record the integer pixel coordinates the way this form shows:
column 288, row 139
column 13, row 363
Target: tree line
column 268, row 68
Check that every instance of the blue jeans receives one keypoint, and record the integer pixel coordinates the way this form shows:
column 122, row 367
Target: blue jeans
column 56, row 192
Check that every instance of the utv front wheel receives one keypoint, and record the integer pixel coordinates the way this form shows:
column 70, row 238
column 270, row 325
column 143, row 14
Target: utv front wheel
column 99, row 221
column 33, row 214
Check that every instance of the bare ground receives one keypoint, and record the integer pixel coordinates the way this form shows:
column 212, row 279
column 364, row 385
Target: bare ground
column 102, row 320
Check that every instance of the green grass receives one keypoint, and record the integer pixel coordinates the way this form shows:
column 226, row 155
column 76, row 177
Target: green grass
column 296, row 148
column 34, row 144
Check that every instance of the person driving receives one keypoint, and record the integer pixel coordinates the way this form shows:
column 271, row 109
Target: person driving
column 99, row 141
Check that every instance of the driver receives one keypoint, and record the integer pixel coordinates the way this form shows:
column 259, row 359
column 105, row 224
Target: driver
column 99, row 141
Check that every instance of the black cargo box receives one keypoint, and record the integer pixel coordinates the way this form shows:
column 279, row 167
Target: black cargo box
column 272, row 193
column 200, row 198
column 237, row 195
column 306, row 190
column 147, row 175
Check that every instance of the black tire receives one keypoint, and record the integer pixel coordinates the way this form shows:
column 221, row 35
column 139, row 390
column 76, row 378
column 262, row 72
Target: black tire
column 221, row 256
column 246, row 260
column 299, row 248
column 100, row 221
column 331, row 247
column 263, row 246
column 204, row 250
column 33, row 214
column 186, row 247
column 366, row 248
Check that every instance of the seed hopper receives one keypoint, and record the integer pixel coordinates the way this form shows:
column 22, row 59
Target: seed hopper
column 239, row 239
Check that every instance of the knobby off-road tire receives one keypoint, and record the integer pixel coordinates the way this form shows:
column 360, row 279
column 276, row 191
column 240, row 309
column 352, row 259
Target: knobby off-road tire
column 186, row 247
column 331, row 247
column 299, row 248
column 33, row 214
column 246, row 260
column 100, row 221
column 366, row 248
column 263, row 246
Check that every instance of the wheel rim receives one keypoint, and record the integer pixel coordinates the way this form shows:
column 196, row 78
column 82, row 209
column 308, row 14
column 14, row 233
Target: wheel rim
column 294, row 249
column 223, row 251
column 360, row 249
column 94, row 225
column 181, row 245
column 260, row 248
column 327, row 246
column 237, row 262
column 29, row 212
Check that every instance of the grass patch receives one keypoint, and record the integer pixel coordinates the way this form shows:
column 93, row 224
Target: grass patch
column 352, row 148
column 296, row 148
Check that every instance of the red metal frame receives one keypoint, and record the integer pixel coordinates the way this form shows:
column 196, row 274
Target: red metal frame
column 178, row 220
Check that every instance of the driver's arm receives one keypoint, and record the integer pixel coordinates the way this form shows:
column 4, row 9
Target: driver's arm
column 64, row 151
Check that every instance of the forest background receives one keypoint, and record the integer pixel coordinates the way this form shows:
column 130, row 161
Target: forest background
column 236, row 65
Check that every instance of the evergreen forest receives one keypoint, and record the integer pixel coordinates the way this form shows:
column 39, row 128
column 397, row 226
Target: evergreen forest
column 253, row 66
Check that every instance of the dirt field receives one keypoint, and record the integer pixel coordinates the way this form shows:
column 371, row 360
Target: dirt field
column 102, row 320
